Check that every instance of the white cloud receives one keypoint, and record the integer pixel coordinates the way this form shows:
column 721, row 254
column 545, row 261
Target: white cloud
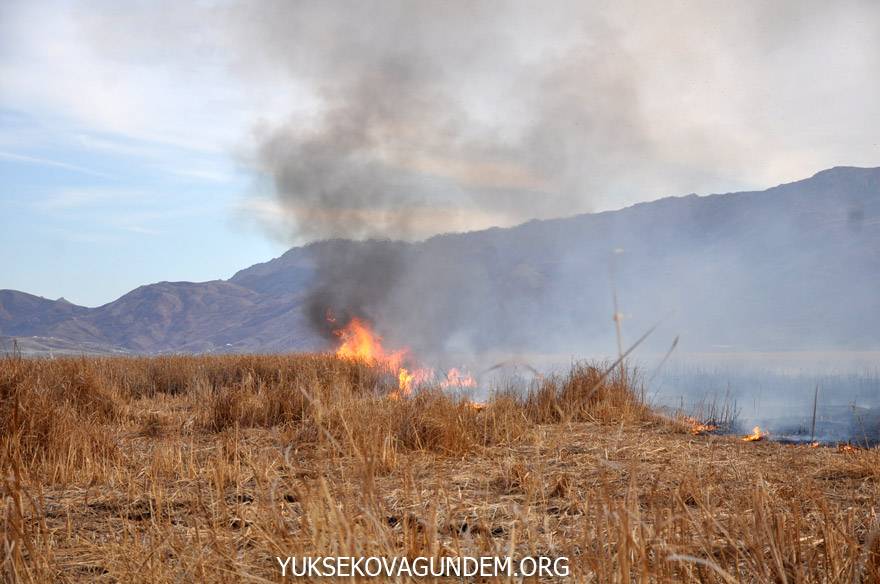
column 77, row 198
column 54, row 63
column 55, row 163
column 728, row 95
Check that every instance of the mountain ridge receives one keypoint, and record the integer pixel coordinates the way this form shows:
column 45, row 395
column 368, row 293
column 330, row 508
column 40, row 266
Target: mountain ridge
column 775, row 259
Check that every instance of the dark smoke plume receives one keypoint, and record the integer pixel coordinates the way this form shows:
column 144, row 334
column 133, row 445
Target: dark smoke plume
column 444, row 116
column 396, row 154
column 352, row 280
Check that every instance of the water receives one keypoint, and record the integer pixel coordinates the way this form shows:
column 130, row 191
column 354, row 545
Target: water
column 776, row 392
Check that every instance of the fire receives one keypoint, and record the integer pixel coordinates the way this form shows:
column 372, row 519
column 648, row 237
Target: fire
column 407, row 380
column 756, row 435
column 404, row 383
column 846, row 448
column 359, row 342
column 456, row 378
column 362, row 344
column 698, row 428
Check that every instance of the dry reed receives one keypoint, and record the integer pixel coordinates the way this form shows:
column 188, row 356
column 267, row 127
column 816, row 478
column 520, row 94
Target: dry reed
column 173, row 469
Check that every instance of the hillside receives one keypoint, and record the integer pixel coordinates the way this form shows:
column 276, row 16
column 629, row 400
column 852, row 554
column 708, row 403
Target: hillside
column 794, row 266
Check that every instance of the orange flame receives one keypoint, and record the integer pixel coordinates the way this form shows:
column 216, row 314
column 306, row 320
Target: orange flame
column 360, row 343
column 698, row 428
column 404, row 383
column 755, row 436
column 407, row 379
column 456, row 378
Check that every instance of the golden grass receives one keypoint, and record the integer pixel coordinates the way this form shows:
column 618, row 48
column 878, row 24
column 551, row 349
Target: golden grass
column 204, row 469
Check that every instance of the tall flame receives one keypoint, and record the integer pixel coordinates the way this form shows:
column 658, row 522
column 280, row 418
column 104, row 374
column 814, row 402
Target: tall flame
column 362, row 344
column 358, row 342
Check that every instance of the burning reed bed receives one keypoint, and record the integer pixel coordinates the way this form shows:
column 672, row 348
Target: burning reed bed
column 172, row 469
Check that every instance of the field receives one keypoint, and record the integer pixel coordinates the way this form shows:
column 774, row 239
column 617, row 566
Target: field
column 204, row 469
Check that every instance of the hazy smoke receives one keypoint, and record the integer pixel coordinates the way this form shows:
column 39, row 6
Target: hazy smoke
column 439, row 116
column 401, row 119
column 352, row 280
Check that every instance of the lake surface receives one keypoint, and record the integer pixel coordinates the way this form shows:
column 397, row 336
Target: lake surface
column 740, row 390
column 775, row 391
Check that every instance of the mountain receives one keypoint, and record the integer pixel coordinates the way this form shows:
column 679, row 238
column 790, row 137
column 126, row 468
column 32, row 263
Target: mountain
column 796, row 266
column 26, row 314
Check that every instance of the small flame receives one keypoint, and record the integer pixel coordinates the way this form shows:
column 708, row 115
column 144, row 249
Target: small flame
column 456, row 378
column 756, row 435
column 698, row 428
column 814, row 445
column 846, row 448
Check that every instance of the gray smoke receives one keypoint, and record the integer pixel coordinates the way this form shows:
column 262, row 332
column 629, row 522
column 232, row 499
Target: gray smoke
column 432, row 113
column 435, row 116
column 408, row 119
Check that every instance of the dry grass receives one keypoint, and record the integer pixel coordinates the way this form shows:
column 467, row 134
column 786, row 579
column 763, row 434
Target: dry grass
column 205, row 468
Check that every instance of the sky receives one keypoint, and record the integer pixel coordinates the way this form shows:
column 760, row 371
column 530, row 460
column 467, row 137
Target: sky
column 150, row 141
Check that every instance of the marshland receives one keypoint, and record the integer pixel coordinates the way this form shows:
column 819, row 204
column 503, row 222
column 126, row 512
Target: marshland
column 200, row 468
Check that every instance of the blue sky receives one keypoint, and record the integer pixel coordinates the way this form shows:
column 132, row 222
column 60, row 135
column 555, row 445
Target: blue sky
column 116, row 171
column 90, row 216
column 150, row 141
